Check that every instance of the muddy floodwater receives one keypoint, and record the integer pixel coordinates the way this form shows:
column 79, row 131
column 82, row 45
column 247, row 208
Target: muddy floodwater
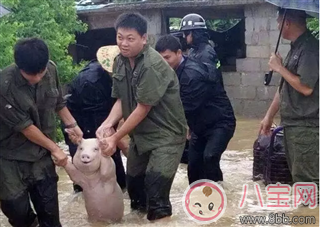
column 236, row 164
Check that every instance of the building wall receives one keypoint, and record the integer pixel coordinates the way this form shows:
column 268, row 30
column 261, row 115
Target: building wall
column 156, row 25
column 245, row 87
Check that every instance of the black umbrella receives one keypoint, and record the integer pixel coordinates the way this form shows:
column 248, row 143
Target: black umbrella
column 309, row 6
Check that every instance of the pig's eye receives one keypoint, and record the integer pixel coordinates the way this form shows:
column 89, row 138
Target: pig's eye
column 211, row 206
column 81, row 148
column 96, row 149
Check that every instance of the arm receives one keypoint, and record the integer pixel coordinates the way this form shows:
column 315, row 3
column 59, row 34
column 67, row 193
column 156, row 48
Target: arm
column 132, row 121
column 307, row 71
column 268, row 119
column 33, row 134
column 123, row 145
column 108, row 144
column 74, row 131
column 295, row 81
column 116, row 112
column 18, row 120
column 115, row 115
column 274, row 107
column 66, row 116
column 150, row 88
column 107, row 127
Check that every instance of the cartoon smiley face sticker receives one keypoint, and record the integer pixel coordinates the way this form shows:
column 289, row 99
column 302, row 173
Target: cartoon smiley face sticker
column 204, row 201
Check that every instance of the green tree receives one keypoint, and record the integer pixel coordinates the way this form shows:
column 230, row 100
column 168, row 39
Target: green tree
column 313, row 25
column 221, row 25
column 175, row 23
column 55, row 21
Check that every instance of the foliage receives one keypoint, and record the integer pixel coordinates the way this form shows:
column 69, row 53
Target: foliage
column 59, row 133
column 313, row 25
column 8, row 37
column 55, row 21
column 221, row 25
column 175, row 23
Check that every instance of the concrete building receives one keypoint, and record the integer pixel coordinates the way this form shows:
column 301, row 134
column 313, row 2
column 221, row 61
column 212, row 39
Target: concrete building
column 255, row 36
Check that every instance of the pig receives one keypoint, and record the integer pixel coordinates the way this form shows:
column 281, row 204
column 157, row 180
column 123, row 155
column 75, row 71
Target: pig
column 96, row 175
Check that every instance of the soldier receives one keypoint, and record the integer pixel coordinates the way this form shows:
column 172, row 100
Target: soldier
column 30, row 94
column 209, row 113
column 297, row 97
column 147, row 93
column 195, row 32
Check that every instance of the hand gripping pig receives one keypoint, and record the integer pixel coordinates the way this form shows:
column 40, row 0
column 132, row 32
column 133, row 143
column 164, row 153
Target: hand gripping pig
column 96, row 175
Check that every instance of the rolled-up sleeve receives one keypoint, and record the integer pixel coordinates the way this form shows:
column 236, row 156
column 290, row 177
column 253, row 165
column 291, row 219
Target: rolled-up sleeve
column 14, row 117
column 308, row 68
column 151, row 87
column 114, row 88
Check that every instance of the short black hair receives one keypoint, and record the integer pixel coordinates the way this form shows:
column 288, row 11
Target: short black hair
column 296, row 16
column 168, row 42
column 132, row 21
column 31, row 55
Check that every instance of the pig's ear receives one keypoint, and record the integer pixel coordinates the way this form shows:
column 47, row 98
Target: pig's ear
column 80, row 141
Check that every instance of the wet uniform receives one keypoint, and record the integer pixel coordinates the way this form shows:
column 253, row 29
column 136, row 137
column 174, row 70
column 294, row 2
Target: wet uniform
column 26, row 168
column 205, row 53
column 299, row 113
column 90, row 103
column 157, row 142
column 210, row 117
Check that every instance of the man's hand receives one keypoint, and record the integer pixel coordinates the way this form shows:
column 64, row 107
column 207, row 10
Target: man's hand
column 265, row 126
column 104, row 131
column 188, row 134
column 108, row 145
column 275, row 62
column 75, row 134
column 59, row 157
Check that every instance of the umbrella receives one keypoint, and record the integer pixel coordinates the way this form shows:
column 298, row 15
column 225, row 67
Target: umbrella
column 309, row 6
column 3, row 11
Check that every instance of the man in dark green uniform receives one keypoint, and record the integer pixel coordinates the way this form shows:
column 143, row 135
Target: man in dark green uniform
column 30, row 94
column 148, row 98
column 298, row 98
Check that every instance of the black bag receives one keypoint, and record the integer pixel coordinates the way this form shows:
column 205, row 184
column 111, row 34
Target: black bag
column 276, row 167
column 259, row 148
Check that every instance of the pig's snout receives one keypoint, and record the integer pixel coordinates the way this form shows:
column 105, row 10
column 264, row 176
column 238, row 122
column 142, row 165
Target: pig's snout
column 85, row 158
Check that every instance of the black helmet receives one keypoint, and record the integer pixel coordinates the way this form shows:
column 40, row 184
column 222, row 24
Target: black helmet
column 192, row 21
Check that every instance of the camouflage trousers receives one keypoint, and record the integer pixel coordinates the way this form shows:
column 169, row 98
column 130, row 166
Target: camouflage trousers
column 149, row 179
column 302, row 149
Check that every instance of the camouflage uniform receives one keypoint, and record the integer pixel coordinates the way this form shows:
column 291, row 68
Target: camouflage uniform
column 25, row 167
column 157, row 142
column 300, row 113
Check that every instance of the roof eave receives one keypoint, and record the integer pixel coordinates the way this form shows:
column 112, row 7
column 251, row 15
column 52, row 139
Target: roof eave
column 119, row 7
